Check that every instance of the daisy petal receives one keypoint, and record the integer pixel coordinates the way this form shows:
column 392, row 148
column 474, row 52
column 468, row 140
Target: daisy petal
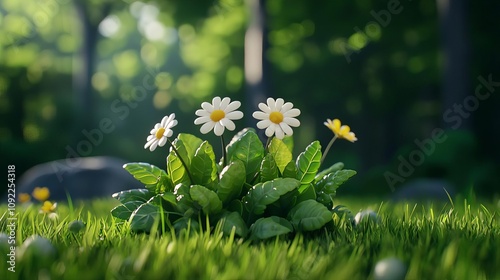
column 216, row 102
column 279, row 104
column 233, row 106
column 279, row 132
column 292, row 113
column 171, row 124
column 201, row 113
column 169, row 133
column 287, row 106
column 207, row 127
column 207, row 107
column 270, row 130
column 162, row 141
column 229, row 124
column 292, row 122
column 263, row 124
column 260, row 115
column 271, row 103
column 148, row 144
column 219, row 129
column 236, row 115
column 201, row 120
column 264, row 108
column 225, row 101
column 164, row 121
column 286, row 128
column 153, row 146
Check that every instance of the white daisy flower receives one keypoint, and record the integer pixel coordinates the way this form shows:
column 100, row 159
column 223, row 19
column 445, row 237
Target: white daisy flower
column 218, row 115
column 277, row 117
column 161, row 132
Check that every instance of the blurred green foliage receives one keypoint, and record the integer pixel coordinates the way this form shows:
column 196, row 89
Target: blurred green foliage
column 333, row 59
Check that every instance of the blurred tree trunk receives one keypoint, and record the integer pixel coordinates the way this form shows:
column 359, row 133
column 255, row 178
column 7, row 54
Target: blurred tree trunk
column 15, row 93
column 82, row 76
column 455, row 46
column 256, row 66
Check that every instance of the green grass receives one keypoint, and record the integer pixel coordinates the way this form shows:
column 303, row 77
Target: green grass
column 446, row 241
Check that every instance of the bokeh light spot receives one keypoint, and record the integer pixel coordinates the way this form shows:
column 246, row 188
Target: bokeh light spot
column 161, row 99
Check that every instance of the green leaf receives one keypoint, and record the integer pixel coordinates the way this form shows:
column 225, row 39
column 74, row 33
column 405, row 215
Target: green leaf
column 238, row 136
column 232, row 220
column 268, row 169
column 308, row 164
column 141, row 195
column 148, row 174
column 208, row 200
column 308, row 193
column 328, row 185
column 143, row 218
column 281, row 153
column 183, row 198
column 164, row 185
column 175, row 168
column 268, row 227
column 249, row 149
column 123, row 211
column 235, row 206
column 288, row 140
column 167, row 200
column 263, row 194
column 337, row 166
column 203, row 167
column 290, row 170
column 309, row 215
column 191, row 143
column 169, row 197
column 231, row 181
column 283, row 205
column 185, row 223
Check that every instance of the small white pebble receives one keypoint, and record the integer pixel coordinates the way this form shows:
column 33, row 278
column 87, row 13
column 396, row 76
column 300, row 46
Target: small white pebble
column 76, row 226
column 390, row 269
column 54, row 217
column 38, row 247
column 366, row 216
column 4, row 242
column 4, row 237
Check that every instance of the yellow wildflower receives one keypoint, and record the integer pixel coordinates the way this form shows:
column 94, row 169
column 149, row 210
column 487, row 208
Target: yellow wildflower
column 41, row 193
column 24, row 197
column 341, row 131
column 48, row 207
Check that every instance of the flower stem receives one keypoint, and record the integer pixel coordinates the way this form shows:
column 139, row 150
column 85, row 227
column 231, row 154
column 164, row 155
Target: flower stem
column 268, row 143
column 224, row 157
column 182, row 161
column 328, row 148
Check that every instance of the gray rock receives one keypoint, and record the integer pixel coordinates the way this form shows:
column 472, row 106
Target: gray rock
column 82, row 178
column 424, row 189
column 366, row 216
column 390, row 269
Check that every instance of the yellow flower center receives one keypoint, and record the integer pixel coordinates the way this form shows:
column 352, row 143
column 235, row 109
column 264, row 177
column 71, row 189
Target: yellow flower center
column 217, row 115
column 159, row 133
column 276, row 117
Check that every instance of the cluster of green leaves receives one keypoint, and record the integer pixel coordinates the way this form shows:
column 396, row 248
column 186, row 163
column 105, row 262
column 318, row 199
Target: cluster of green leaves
column 257, row 192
